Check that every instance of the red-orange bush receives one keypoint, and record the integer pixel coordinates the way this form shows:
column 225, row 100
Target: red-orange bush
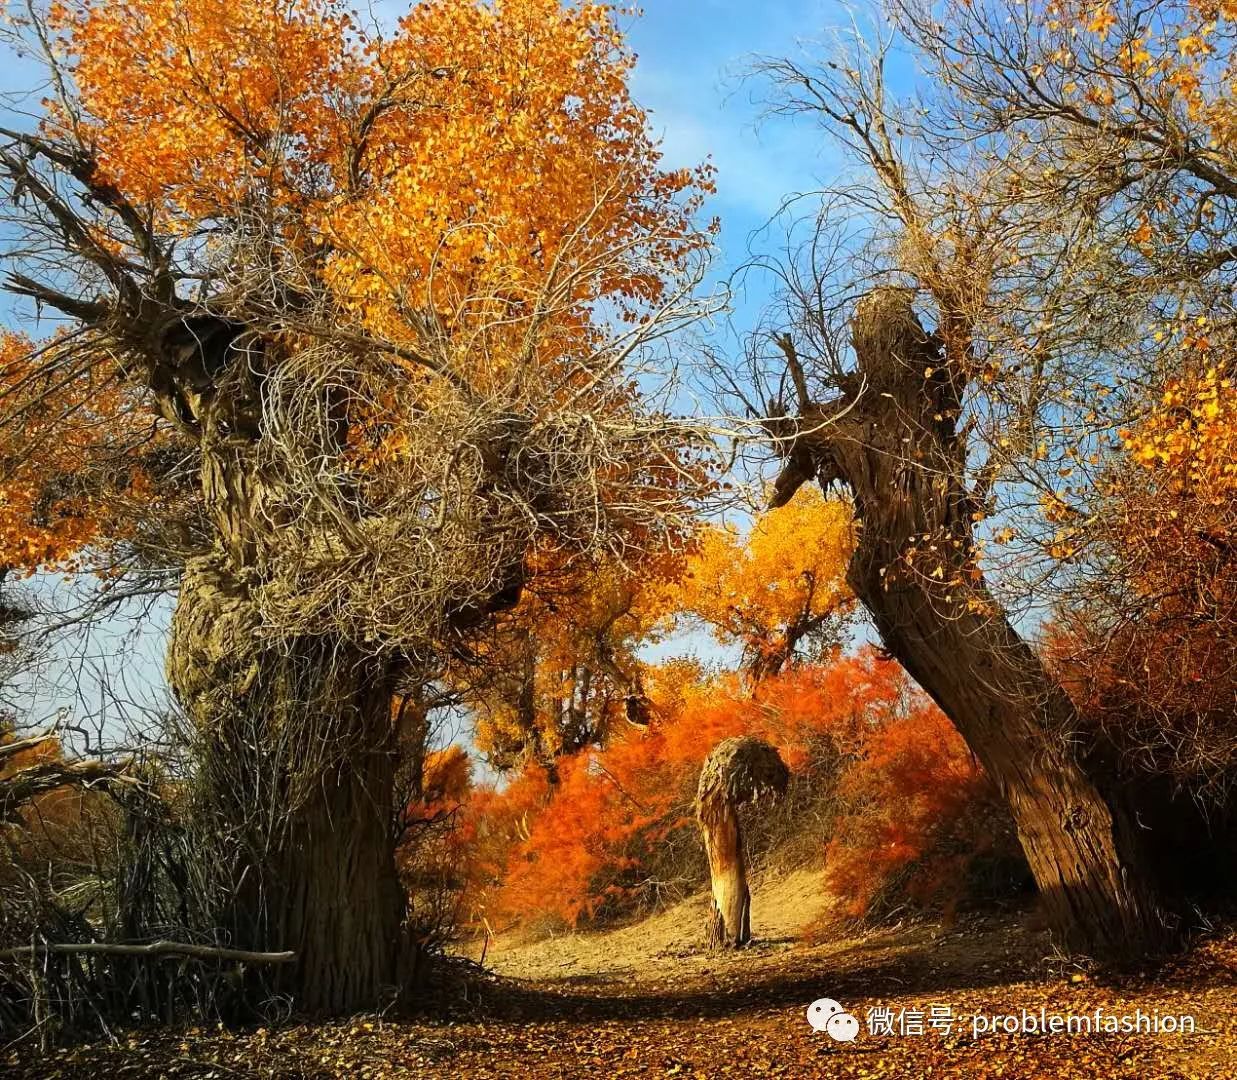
column 918, row 817
column 890, row 775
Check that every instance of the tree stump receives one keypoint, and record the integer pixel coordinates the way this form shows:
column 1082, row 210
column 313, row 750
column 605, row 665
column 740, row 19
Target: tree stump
column 737, row 771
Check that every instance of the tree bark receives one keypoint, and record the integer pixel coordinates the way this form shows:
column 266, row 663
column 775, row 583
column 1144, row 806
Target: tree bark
column 892, row 439
column 737, row 771
column 343, row 905
column 296, row 775
column 730, row 915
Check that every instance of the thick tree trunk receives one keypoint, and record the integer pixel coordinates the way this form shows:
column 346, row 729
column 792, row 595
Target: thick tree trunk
column 892, row 439
column 296, row 776
column 1079, row 842
column 343, row 905
column 298, row 749
column 730, row 915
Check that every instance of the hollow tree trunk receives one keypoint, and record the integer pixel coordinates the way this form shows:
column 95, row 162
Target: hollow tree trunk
column 892, row 439
column 730, row 915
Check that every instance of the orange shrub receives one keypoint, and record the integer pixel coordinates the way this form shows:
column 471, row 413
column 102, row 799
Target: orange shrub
column 618, row 825
column 917, row 812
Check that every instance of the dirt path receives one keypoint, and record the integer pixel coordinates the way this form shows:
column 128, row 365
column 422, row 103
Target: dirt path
column 644, row 1001
column 667, row 946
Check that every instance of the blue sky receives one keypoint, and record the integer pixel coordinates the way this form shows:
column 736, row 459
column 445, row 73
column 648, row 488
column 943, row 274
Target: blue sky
column 692, row 55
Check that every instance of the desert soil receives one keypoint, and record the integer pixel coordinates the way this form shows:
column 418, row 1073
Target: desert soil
column 649, row 1001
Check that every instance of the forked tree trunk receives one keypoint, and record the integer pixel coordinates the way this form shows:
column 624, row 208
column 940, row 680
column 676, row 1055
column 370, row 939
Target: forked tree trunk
column 892, row 438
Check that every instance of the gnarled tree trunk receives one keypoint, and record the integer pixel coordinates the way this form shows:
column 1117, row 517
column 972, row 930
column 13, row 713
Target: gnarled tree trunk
column 730, row 921
column 892, row 438
column 735, row 772
column 298, row 744
column 297, row 776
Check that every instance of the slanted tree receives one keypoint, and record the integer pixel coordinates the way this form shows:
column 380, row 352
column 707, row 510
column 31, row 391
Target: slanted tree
column 737, row 771
column 1034, row 205
column 384, row 295
column 1104, row 137
column 914, row 570
column 923, row 429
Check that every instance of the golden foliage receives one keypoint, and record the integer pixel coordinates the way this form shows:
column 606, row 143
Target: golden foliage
column 783, row 582
column 479, row 152
column 567, row 660
column 51, row 505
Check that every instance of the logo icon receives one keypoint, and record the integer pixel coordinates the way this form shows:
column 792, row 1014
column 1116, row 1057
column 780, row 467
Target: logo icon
column 828, row 1016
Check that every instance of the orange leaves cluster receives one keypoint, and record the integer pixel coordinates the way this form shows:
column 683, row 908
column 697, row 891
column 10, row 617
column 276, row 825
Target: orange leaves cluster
column 1102, row 20
column 1177, row 506
column 48, row 750
column 764, row 591
column 472, row 201
column 572, row 849
column 575, row 635
column 1152, row 655
column 837, row 699
column 522, row 157
column 50, row 508
column 911, row 824
column 448, row 775
column 196, row 107
column 1190, row 438
column 770, row 592
column 477, row 156
column 57, row 823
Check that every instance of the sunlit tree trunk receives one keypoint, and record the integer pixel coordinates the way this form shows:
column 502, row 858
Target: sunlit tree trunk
column 730, row 913
column 1081, row 845
column 892, row 439
column 737, row 771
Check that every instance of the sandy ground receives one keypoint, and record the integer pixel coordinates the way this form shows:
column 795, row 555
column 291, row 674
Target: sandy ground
column 649, row 1001
column 667, row 945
